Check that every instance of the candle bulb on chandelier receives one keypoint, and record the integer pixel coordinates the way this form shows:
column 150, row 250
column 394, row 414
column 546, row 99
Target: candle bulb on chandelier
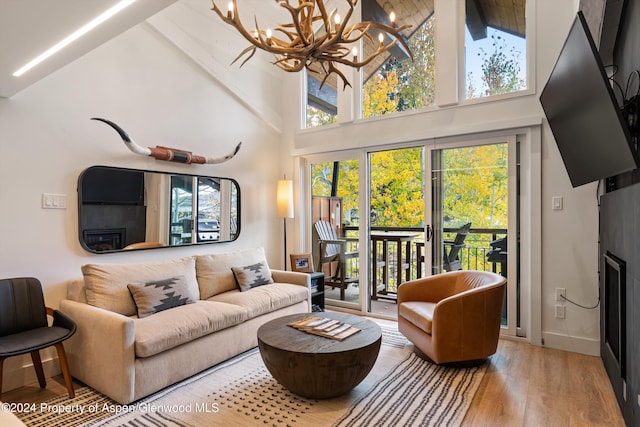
column 300, row 48
column 354, row 51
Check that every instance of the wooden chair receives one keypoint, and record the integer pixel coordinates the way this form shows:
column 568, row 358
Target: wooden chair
column 24, row 327
column 144, row 245
column 332, row 249
column 452, row 249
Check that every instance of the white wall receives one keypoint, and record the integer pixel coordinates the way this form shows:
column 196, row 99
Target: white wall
column 568, row 238
column 160, row 97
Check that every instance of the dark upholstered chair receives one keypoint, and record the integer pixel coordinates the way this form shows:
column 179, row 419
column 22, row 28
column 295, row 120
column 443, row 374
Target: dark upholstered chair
column 24, row 327
column 453, row 317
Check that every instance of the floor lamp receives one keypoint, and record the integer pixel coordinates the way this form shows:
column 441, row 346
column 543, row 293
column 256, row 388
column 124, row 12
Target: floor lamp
column 285, row 208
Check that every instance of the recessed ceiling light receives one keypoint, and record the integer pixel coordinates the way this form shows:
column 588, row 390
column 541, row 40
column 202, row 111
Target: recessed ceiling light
column 74, row 36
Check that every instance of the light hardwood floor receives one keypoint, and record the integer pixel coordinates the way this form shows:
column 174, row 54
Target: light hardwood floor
column 524, row 385
column 527, row 385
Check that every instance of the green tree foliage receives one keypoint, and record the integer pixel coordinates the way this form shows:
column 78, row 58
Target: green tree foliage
column 348, row 184
column 317, row 117
column 406, row 85
column 500, row 70
column 474, row 186
column 376, row 99
column 397, row 197
column 474, row 182
column 321, row 178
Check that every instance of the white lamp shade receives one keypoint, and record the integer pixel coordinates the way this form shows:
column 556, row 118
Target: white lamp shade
column 285, row 198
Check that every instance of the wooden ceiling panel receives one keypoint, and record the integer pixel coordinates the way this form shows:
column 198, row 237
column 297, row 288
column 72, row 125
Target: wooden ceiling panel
column 412, row 12
column 505, row 15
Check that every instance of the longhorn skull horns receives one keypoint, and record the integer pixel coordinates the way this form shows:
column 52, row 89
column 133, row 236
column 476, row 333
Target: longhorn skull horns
column 165, row 153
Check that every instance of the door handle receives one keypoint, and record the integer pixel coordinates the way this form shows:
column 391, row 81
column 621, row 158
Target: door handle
column 429, row 233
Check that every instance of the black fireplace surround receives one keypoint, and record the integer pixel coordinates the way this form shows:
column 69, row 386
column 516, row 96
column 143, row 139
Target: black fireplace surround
column 620, row 296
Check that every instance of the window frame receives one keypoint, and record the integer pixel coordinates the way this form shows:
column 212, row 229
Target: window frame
column 449, row 88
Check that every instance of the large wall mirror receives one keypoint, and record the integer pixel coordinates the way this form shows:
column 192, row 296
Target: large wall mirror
column 124, row 209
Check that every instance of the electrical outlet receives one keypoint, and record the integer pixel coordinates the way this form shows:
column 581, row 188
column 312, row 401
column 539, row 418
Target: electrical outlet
column 561, row 294
column 560, row 311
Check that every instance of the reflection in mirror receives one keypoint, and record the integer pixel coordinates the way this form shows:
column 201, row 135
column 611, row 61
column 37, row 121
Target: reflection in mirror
column 122, row 209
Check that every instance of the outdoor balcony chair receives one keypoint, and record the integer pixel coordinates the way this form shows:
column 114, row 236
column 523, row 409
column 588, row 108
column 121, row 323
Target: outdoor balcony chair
column 332, row 249
column 452, row 249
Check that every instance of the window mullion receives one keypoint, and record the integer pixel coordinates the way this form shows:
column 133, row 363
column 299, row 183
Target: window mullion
column 449, row 45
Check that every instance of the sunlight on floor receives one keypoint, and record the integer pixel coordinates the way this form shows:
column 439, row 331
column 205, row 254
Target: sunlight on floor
column 382, row 307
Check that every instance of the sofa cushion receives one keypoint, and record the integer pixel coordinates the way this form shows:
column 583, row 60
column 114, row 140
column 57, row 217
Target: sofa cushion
column 252, row 276
column 106, row 284
column 214, row 270
column 419, row 313
column 171, row 328
column 264, row 299
column 159, row 295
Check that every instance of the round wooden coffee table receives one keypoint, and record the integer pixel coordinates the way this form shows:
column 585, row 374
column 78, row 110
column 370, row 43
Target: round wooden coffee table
column 317, row 367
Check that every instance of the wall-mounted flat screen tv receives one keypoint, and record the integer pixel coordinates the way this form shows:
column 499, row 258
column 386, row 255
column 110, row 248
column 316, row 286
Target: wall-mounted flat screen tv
column 583, row 114
column 102, row 185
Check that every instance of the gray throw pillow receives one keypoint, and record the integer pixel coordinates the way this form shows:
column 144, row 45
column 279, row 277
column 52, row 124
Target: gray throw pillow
column 159, row 295
column 252, row 276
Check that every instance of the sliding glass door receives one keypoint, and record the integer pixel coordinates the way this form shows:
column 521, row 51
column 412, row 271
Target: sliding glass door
column 474, row 211
column 335, row 228
column 396, row 223
column 381, row 218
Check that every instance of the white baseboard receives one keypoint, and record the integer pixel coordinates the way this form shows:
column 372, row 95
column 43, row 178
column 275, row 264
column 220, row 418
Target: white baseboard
column 586, row 346
column 26, row 374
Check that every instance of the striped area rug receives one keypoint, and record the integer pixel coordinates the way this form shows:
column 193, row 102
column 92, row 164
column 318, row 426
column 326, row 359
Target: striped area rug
column 401, row 390
column 436, row 396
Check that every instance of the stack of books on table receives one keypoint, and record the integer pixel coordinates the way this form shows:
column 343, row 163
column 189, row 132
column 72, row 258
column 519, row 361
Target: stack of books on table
column 328, row 328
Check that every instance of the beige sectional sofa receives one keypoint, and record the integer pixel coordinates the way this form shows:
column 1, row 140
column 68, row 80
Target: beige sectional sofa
column 127, row 353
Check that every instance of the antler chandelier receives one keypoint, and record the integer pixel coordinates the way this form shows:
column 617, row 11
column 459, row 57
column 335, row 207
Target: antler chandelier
column 302, row 46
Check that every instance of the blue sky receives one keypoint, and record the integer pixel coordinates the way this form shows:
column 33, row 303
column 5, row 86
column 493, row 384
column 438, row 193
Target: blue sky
column 473, row 61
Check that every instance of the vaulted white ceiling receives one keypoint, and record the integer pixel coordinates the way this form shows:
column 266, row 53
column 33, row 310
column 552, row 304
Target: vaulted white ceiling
column 29, row 27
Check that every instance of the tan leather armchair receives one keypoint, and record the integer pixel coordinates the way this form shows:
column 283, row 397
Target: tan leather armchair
column 453, row 317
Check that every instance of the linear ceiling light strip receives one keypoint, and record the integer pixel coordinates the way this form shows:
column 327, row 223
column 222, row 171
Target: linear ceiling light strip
column 74, row 36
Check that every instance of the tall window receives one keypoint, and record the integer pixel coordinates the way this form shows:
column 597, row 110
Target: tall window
column 393, row 82
column 322, row 100
column 495, row 48
column 495, row 58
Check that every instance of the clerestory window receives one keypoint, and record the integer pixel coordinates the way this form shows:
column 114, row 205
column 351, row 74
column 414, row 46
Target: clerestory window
column 495, row 59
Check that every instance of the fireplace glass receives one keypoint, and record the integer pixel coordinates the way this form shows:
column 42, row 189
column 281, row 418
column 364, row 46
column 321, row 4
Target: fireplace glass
column 614, row 309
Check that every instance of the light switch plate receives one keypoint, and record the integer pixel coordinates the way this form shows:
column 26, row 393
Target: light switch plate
column 556, row 203
column 54, row 201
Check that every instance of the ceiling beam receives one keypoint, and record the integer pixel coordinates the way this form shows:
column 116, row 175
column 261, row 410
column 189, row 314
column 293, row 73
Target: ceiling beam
column 323, row 98
column 476, row 21
column 372, row 11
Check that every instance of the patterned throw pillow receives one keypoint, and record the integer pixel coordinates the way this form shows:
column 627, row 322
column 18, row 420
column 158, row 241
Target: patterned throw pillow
column 252, row 276
column 158, row 295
